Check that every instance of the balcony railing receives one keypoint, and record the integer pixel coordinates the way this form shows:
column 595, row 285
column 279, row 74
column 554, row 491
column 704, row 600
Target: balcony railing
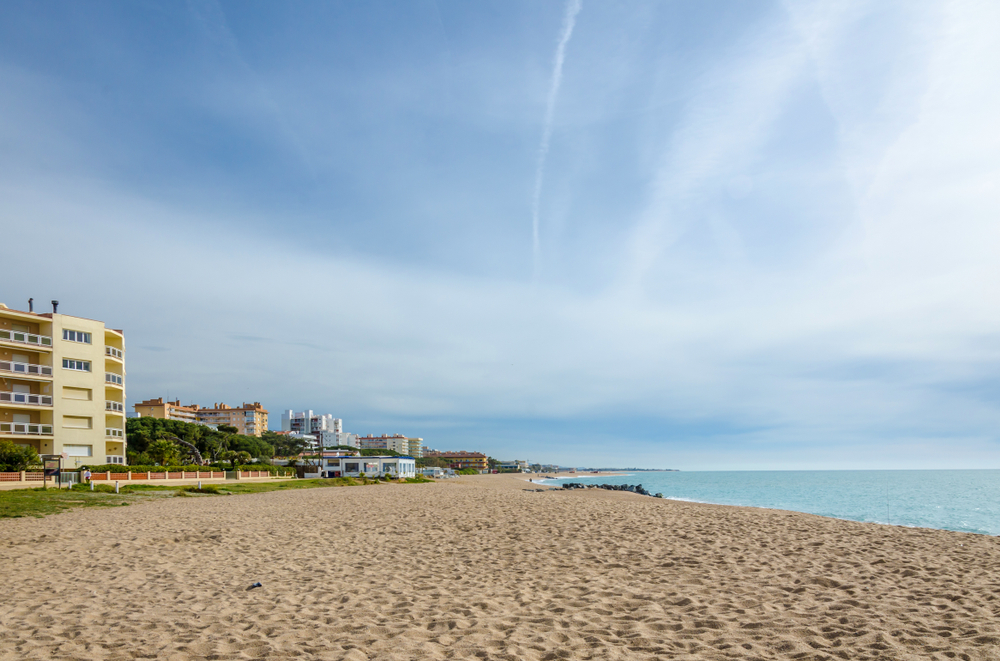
column 115, row 379
column 114, row 353
column 26, row 338
column 115, row 407
column 25, row 398
column 113, row 432
column 25, row 368
column 27, row 428
column 115, row 459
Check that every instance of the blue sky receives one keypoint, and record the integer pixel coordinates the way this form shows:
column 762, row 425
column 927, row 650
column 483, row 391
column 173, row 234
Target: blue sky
column 724, row 236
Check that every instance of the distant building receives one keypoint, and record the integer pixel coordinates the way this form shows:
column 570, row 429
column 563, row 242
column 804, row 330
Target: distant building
column 460, row 460
column 396, row 443
column 307, row 422
column 517, row 465
column 327, row 429
column 249, row 419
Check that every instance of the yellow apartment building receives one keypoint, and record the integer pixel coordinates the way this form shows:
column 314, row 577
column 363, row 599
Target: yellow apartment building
column 249, row 419
column 62, row 386
column 157, row 408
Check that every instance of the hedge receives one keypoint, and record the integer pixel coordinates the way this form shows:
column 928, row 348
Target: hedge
column 118, row 468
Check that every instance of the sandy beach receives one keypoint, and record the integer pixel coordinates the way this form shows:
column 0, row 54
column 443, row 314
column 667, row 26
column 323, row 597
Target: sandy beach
column 478, row 567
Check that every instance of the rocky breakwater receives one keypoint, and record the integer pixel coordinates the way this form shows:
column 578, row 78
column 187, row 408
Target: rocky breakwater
column 634, row 488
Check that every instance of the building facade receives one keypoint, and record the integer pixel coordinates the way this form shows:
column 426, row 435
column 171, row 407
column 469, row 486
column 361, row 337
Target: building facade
column 460, row 460
column 249, row 419
column 411, row 447
column 307, row 422
column 62, row 386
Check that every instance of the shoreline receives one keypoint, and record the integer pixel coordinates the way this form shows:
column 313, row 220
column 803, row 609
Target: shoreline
column 480, row 567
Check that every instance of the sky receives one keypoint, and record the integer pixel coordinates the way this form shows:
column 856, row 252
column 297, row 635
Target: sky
column 705, row 236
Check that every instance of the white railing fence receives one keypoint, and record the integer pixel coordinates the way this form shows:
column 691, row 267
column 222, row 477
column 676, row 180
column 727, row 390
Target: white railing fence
column 25, row 368
column 25, row 398
column 26, row 338
column 25, row 428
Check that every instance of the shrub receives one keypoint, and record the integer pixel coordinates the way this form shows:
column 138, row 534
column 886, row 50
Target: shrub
column 118, row 468
column 211, row 488
column 17, row 457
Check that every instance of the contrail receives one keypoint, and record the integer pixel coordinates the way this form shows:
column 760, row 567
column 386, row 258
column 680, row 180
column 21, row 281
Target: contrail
column 569, row 21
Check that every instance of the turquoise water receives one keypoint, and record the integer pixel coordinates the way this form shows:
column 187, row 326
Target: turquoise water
column 962, row 500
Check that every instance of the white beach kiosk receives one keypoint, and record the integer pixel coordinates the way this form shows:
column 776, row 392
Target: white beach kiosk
column 370, row 466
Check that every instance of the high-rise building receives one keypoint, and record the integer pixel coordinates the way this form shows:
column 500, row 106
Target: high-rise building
column 327, row 429
column 308, row 422
column 62, row 386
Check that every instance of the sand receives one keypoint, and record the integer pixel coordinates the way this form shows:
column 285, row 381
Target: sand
column 479, row 568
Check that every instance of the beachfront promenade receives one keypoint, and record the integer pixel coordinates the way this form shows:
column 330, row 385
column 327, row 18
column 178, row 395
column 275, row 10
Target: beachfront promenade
column 480, row 567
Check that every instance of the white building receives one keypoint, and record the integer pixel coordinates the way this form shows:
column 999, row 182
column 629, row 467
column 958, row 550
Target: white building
column 370, row 466
column 334, row 438
column 307, row 422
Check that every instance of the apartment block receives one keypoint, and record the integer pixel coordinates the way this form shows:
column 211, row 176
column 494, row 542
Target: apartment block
column 157, row 408
column 62, row 386
column 249, row 419
column 307, row 422
column 412, row 447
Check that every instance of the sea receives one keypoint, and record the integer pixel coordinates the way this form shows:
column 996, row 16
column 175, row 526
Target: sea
column 960, row 500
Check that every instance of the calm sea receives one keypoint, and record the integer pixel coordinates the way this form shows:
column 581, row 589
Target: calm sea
column 963, row 500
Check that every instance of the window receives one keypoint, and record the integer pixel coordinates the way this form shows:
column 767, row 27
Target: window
column 79, row 365
column 83, row 394
column 76, row 336
column 76, row 422
column 78, row 450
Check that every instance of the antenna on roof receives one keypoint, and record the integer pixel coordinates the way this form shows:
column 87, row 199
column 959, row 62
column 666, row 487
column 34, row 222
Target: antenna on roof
column 31, row 305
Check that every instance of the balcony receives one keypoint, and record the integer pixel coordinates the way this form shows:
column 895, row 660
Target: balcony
column 19, row 337
column 114, row 432
column 114, row 407
column 25, row 428
column 115, row 459
column 27, row 369
column 113, row 379
column 112, row 352
column 25, row 398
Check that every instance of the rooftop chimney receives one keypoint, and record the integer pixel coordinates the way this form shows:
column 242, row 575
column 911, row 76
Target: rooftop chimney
column 31, row 305
column 55, row 306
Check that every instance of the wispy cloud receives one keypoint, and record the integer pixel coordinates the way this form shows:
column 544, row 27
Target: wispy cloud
column 569, row 22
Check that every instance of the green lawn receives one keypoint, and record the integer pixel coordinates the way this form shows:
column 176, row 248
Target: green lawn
column 39, row 502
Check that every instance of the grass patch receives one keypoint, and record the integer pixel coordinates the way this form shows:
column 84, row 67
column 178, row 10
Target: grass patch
column 41, row 502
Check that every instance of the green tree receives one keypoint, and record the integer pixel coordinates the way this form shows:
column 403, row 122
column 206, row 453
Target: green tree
column 230, row 456
column 17, row 457
column 243, row 457
column 163, row 451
